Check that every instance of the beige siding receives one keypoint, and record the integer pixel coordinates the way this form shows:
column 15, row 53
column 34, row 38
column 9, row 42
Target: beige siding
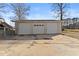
column 59, row 28
column 51, row 28
column 24, row 28
column 39, row 27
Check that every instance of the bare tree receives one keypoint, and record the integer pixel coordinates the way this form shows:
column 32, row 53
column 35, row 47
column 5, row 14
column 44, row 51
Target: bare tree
column 60, row 10
column 20, row 10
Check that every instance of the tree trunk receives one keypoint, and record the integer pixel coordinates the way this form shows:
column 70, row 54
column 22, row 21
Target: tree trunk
column 61, row 15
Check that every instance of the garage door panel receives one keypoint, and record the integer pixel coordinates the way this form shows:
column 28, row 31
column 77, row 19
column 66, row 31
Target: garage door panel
column 38, row 29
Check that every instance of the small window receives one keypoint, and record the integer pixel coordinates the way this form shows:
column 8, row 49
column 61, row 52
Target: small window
column 38, row 25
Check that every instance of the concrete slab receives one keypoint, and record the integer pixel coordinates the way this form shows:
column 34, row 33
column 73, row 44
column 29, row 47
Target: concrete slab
column 60, row 45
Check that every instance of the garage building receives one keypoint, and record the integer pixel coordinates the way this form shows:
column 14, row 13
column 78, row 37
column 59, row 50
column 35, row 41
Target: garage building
column 24, row 27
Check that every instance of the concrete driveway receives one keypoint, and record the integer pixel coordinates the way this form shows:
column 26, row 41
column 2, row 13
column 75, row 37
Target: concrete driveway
column 58, row 45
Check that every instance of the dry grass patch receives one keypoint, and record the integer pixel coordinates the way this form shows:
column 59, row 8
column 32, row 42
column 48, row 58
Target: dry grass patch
column 71, row 32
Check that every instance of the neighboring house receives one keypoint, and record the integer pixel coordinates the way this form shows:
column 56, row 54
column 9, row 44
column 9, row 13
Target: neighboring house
column 71, row 23
column 67, row 22
column 37, row 27
column 5, row 28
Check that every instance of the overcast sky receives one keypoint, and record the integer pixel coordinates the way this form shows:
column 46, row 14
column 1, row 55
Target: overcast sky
column 42, row 11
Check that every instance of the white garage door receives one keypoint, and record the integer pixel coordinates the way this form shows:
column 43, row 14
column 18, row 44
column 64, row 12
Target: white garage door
column 38, row 29
column 51, row 28
column 24, row 28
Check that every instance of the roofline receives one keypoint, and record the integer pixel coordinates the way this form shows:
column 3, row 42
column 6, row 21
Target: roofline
column 34, row 20
column 7, row 24
column 1, row 18
column 26, row 21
